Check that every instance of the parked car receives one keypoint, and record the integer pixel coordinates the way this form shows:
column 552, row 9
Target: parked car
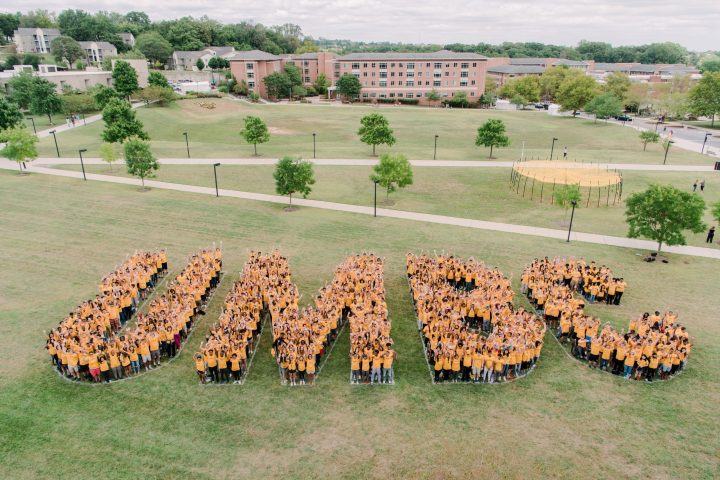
column 622, row 118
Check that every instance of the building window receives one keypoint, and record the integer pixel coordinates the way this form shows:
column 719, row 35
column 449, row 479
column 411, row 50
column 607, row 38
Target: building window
column 437, row 65
column 463, row 83
column 472, row 82
column 399, row 82
column 463, row 74
column 392, row 83
column 355, row 66
column 383, row 66
column 392, row 65
column 372, row 84
column 382, row 95
column 472, row 94
column 427, row 65
column 400, row 65
column 365, row 95
column 372, row 65
column 410, row 74
column 437, row 74
column 383, row 74
column 337, row 75
column 356, row 74
column 307, row 71
column 392, row 95
column 474, row 64
column 455, row 65
column 392, row 74
column 248, row 66
column 364, row 74
column 447, row 74
column 410, row 83
column 373, row 94
column 399, row 74
column 251, row 84
column 307, row 79
column 464, row 65
column 251, row 75
column 409, row 95
column 364, row 65
column 410, row 66
column 337, row 66
column 436, row 83
column 400, row 95
column 383, row 83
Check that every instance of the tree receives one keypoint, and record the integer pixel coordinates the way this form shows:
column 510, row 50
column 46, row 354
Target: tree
column 375, row 130
column 527, row 87
column 433, row 96
column 649, row 137
column 662, row 213
column 705, row 96
column 21, row 87
column 575, row 92
column 44, row 100
column 10, row 115
column 293, row 175
column 240, row 88
column 66, row 49
column 321, row 84
column 565, row 195
column 716, row 211
column 392, row 172
column 278, row 85
column 604, row 106
column 108, row 153
column 140, row 160
column 348, row 86
column 77, row 24
column 124, row 79
column 213, row 63
column 157, row 79
column 153, row 93
column 103, row 95
column 710, row 66
column 154, row 46
column 617, row 84
column 120, row 122
column 519, row 101
column 293, row 74
column 78, row 103
column 492, row 134
column 8, row 24
column 255, row 131
column 20, row 145
column 200, row 64
column 553, row 77
column 298, row 91
column 308, row 46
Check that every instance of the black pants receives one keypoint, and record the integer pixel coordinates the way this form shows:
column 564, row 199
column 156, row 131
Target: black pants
column 618, row 296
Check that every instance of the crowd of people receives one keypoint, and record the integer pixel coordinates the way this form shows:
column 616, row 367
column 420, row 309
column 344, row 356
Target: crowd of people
column 300, row 337
column 470, row 329
column 655, row 345
column 89, row 344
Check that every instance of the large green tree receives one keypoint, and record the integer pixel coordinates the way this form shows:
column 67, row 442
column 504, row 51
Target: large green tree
column 663, row 213
column 140, row 160
column 44, row 100
column 293, row 175
column 375, row 130
column 103, row 95
column 321, row 84
column 157, row 79
column 527, row 87
column 21, row 89
column 66, row 49
column 255, row 131
column 705, row 96
column 278, row 85
column 20, row 145
column 553, row 77
column 604, row 106
column 10, row 115
column 492, row 134
column 8, row 24
column 392, row 172
column 575, row 92
column 120, row 122
column 348, row 86
column 125, row 79
column 154, row 46
column 648, row 136
column 618, row 84
column 293, row 74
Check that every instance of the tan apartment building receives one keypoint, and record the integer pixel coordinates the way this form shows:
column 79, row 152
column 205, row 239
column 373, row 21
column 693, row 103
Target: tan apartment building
column 34, row 40
column 382, row 75
column 95, row 52
column 187, row 59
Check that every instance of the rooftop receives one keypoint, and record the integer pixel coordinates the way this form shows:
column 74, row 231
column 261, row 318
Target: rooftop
column 31, row 31
column 517, row 69
column 253, row 55
column 439, row 55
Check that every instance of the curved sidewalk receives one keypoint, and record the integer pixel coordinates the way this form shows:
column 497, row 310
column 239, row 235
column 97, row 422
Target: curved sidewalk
column 381, row 212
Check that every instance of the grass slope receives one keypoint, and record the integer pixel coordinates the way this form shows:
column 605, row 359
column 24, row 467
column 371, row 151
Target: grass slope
column 561, row 420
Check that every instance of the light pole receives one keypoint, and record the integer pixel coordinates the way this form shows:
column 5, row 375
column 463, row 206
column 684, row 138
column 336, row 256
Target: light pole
column 314, row 134
column 82, row 165
column 217, row 192
column 435, row 148
column 187, row 144
column 702, row 150
column 667, row 147
column 33, row 123
column 375, row 202
column 552, row 147
column 572, row 215
column 56, row 145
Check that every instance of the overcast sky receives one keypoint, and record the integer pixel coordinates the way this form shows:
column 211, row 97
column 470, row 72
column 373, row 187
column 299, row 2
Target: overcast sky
column 692, row 23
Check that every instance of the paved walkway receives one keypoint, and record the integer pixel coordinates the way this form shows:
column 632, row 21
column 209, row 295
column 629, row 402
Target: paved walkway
column 369, row 162
column 91, row 119
column 381, row 212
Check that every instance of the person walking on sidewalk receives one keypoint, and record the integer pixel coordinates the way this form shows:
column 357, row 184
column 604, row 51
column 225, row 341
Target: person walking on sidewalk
column 710, row 235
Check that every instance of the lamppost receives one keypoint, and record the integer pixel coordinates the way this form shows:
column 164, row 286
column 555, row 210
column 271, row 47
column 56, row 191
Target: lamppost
column 82, row 165
column 33, row 123
column 667, row 147
column 217, row 192
column 552, row 147
column 435, row 148
column 572, row 215
column 314, row 134
column 375, row 202
column 84, row 122
column 187, row 144
column 56, row 145
column 702, row 150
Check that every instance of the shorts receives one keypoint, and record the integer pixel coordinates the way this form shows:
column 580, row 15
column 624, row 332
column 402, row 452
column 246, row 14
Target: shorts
column 145, row 358
column 73, row 368
column 476, row 370
column 94, row 372
column 592, row 358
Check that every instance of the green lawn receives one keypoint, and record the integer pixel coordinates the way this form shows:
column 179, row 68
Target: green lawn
column 215, row 133
column 478, row 193
column 60, row 236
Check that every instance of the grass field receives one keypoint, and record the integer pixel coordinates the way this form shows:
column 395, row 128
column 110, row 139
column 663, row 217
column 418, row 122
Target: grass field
column 60, row 236
column 478, row 193
column 215, row 133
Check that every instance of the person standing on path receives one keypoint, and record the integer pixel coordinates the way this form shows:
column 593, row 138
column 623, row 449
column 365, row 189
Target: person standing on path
column 695, row 185
column 565, row 153
column 702, row 185
column 710, row 235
